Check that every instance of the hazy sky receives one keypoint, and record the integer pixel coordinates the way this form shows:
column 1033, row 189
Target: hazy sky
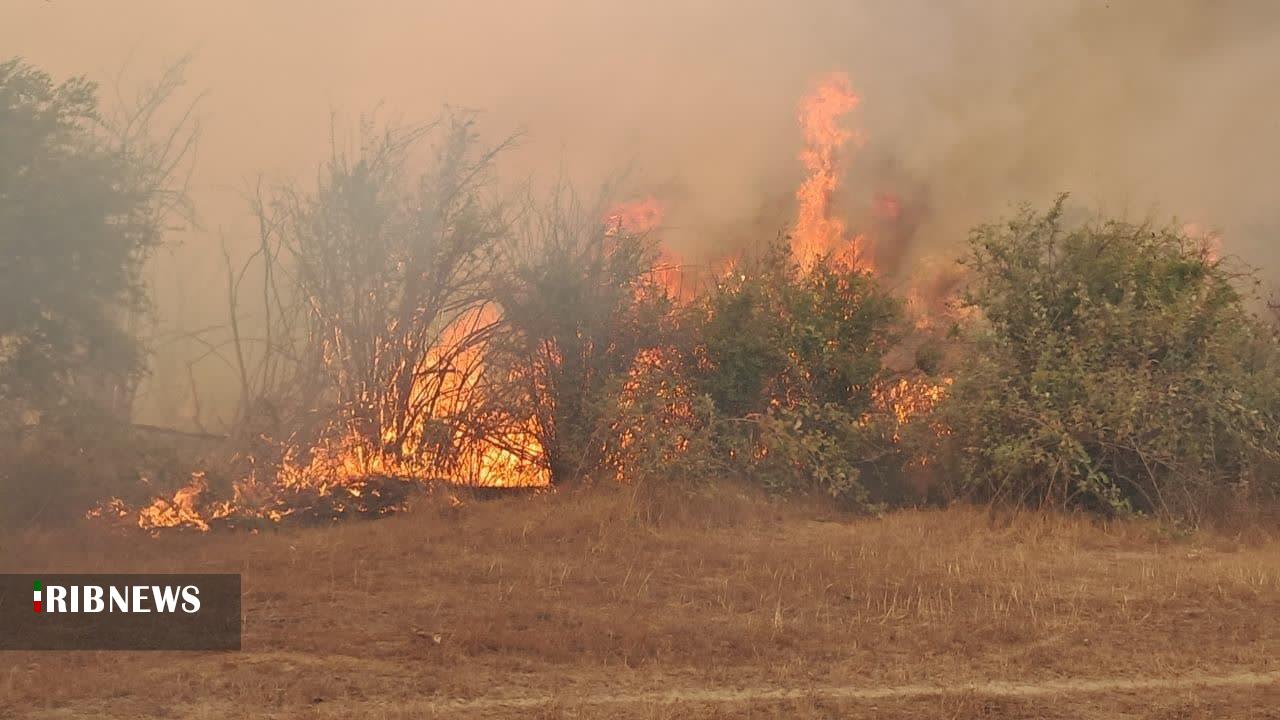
column 1164, row 107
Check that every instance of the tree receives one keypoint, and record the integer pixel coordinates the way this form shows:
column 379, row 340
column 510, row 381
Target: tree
column 1116, row 367
column 82, row 205
column 818, row 333
column 84, row 200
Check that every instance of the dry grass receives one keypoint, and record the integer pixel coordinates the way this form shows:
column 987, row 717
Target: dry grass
column 575, row 597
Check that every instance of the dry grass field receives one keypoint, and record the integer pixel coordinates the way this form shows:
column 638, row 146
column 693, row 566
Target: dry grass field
column 624, row 604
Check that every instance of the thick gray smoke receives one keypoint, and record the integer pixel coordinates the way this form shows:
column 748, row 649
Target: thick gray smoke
column 1137, row 107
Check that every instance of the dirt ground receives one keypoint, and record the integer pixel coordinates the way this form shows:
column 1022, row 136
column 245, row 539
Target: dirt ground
column 626, row 604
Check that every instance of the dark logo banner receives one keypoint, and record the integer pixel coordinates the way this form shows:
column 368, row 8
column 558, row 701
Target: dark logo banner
column 57, row 611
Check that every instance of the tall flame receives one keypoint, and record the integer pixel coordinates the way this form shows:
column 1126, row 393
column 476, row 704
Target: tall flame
column 816, row 231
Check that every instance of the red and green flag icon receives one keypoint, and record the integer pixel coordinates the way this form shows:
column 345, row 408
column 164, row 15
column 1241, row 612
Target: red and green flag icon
column 39, row 587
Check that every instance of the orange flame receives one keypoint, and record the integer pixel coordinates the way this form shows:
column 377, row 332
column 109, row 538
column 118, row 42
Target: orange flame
column 507, row 457
column 347, row 472
column 817, row 232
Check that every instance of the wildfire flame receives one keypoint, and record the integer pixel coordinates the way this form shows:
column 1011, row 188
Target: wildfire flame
column 345, row 472
column 909, row 399
column 505, row 457
column 817, row 232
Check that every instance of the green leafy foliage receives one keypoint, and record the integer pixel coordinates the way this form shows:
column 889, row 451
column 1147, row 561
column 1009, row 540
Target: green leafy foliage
column 84, row 200
column 777, row 367
column 1116, row 367
column 76, row 225
column 771, row 333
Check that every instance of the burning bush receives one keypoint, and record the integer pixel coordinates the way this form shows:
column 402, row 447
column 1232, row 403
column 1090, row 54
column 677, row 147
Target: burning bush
column 396, row 278
column 774, row 333
column 415, row 330
column 774, row 378
column 581, row 302
column 379, row 315
column 1117, row 368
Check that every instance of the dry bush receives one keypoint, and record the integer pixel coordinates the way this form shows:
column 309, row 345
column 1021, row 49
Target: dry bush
column 396, row 273
column 580, row 306
column 374, row 303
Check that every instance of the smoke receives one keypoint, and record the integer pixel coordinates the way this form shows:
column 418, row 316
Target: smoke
column 1137, row 107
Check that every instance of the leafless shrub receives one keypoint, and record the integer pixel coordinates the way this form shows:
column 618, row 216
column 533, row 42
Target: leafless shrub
column 374, row 298
column 580, row 304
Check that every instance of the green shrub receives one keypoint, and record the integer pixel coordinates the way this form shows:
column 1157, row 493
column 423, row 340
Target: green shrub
column 777, row 366
column 772, row 334
column 1114, row 367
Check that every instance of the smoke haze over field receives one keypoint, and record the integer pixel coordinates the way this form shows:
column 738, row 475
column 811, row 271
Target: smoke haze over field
column 1136, row 107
